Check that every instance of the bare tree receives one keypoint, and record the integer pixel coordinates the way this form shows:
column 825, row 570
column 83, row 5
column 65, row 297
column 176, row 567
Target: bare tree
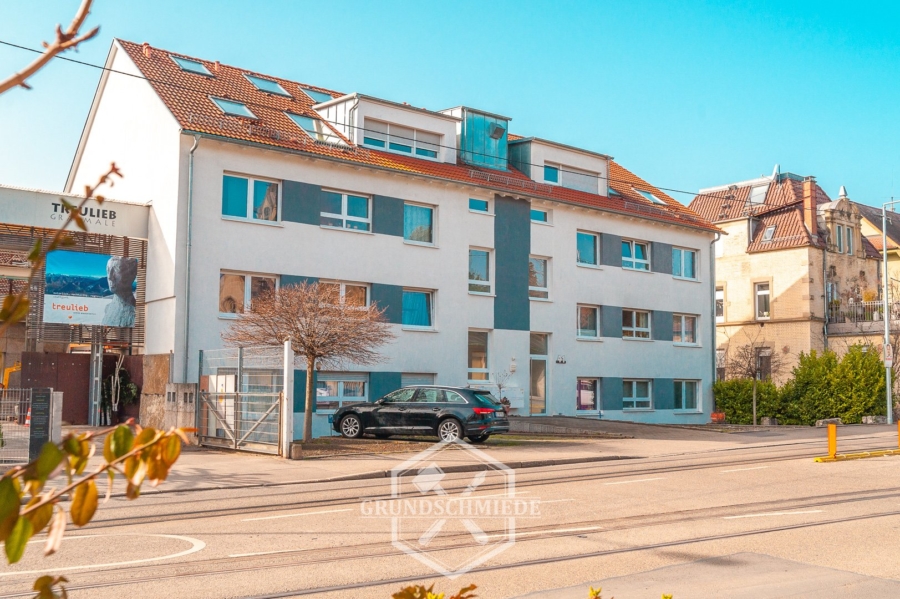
column 744, row 361
column 324, row 328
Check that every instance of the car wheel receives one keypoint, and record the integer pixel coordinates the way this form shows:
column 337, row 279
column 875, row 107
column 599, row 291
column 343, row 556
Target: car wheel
column 351, row 427
column 450, row 430
column 479, row 438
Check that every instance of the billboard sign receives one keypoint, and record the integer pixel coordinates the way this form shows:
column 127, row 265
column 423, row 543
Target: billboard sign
column 95, row 289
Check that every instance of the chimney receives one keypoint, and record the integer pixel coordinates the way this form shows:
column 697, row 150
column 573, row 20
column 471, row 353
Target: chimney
column 216, row 66
column 810, row 209
column 147, row 51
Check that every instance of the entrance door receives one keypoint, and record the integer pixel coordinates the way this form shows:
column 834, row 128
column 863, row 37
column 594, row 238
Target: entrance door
column 539, row 368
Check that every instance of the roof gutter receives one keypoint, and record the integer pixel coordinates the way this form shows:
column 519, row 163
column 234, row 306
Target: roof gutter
column 253, row 144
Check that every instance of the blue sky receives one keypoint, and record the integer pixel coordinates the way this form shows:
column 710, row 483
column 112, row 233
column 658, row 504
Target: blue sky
column 686, row 94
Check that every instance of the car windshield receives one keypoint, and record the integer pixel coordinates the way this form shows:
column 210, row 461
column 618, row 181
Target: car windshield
column 486, row 399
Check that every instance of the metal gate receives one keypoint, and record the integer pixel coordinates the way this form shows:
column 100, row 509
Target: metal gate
column 14, row 430
column 240, row 398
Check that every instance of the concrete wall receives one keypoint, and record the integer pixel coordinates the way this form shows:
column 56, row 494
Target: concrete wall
column 153, row 392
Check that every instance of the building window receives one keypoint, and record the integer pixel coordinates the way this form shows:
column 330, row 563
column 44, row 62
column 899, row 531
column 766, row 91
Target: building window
column 316, row 128
column 636, row 255
column 238, row 291
column 587, row 248
column 539, row 357
column 684, row 263
column 635, row 324
column 684, row 329
column 849, row 234
column 243, row 196
column 685, row 395
column 540, row 216
column 191, row 66
column 479, row 205
column 551, row 174
column 758, row 194
column 636, row 395
column 720, row 364
column 538, row 284
column 397, row 138
column 587, row 322
column 418, row 309
column 840, row 239
column 720, row 304
column 764, row 363
column 317, row 97
column 352, row 294
column 478, row 357
column 345, row 211
column 479, row 271
column 232, row 108
column 267, row 85
column 418, row 224
column 335, row 389
column 762, row 301
column 769, row 234
column 649, row 196
column 586, row 399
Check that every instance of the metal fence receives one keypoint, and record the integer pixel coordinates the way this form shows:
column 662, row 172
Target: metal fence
column 240, row 393
column 15, row 406
column 854, row 312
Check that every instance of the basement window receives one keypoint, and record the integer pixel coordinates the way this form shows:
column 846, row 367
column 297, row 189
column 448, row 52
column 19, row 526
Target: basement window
column 769, row 234
column 267, row 85
column 191, row 66
column 233, row 108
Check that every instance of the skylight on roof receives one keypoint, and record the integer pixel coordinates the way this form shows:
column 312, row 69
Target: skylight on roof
column 233, row 108
column 318, row 97
column 758, row 194
column 315, row 128
column 191, row 66
column 650, row 196
column 613, row 192
column 267, row 85
column 769, row 234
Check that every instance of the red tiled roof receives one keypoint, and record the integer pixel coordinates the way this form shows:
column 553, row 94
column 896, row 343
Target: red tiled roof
column 186, row 95
column 731, row 203
column 790, row 231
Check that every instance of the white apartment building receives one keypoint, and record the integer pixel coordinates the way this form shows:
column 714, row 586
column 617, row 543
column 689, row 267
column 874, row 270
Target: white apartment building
column 492, row 254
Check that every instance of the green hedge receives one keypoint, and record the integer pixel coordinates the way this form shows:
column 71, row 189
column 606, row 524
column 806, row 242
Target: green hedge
column 822, row 386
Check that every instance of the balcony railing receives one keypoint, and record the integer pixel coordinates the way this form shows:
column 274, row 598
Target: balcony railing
column 859, row 312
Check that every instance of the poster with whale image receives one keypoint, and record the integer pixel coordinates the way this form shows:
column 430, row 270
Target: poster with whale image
column 90, row 289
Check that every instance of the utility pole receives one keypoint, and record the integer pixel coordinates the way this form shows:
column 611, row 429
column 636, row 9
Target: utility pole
column 887, row 349
column 755, row 378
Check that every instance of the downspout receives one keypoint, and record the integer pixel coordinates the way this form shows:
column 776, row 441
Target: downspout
column 187, row 258
column 712, row 284
column 351, row 124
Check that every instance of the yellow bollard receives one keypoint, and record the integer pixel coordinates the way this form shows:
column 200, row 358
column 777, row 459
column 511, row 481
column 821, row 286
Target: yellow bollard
column 898, row 433
column 832, row 439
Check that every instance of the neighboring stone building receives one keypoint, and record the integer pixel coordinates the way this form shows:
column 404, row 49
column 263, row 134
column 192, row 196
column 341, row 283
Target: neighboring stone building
column 792, row 262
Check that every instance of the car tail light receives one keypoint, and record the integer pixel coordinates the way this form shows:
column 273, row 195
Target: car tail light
column 483, row 411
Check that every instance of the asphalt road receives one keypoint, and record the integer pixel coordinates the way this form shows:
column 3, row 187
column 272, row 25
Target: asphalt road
column 751, row 519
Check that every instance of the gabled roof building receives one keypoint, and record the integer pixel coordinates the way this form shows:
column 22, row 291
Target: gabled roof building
column 493, row 254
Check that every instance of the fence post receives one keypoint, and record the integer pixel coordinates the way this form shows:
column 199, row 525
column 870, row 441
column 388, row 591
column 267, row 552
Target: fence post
column 287, row 402
column 832, row 440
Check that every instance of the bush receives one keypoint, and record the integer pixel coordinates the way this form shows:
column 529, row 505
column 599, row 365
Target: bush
column 735, row 398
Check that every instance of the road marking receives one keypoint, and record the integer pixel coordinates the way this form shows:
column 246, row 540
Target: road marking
column 640, row 480
column 771, row 514
column 743, row 469
column 196, row 545
column 296, row 515
column 263, row 553
column 543, row 501
column 548, row 532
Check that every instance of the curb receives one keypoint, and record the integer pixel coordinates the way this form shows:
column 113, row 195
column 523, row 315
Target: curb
column 376, row 474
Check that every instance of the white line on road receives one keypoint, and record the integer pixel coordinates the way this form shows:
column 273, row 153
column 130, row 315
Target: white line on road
column 771, row 514
column 543, row 501
column 743, row 469
column 639, row 480
column 296, row 515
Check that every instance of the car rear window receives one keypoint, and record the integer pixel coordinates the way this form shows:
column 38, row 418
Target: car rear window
column 486, row 399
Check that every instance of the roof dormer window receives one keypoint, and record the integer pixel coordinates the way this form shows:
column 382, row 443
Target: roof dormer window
column 769, row 234
column 317, row 97
column 650, row 196
column 233, row 108
column 315, row 128
column 191, row 66
column 267, row 85
column 758, row 194
column 397, row 138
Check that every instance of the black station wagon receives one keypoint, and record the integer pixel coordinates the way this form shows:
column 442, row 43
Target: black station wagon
column 447, row 412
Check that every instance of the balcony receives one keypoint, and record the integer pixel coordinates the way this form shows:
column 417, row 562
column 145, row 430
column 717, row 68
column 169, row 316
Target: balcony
column 857, row 317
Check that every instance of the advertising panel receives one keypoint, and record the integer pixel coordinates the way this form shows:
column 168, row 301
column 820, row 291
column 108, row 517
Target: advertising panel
column 95, row 289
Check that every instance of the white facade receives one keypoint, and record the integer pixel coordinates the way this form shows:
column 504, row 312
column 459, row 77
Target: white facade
column 179, row 172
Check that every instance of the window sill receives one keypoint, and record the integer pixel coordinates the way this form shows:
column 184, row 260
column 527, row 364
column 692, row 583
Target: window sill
column 589, row 339
column 253, row 221
column 541, row 299
column 678, row 344
column 628, row 268
column 590, row 266
column 642, row 339
column 686, row 279
column 433, row 246
column 482, row 294
column 763, row 319
column 346, row 230
column 228, row 316
column 418, row 329
column 481, row 212
column 542, row 223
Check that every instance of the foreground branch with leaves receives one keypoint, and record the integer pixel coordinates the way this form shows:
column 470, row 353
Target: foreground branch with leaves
column 138, row 454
